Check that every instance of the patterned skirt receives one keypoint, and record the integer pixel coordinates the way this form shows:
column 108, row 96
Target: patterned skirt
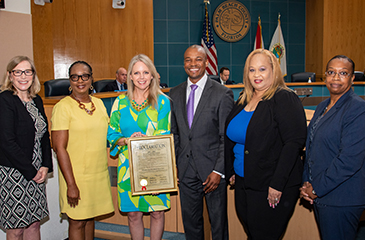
column 22, row 202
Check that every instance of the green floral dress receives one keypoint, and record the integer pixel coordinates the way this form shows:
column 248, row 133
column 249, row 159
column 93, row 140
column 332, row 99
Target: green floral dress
column 124, row 121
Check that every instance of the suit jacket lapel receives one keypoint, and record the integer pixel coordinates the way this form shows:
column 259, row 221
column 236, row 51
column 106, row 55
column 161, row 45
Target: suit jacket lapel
column 182, row 102
column 335, row 108
column 203, row 101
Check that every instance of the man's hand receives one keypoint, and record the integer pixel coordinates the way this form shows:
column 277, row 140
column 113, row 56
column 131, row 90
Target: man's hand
column 212, row 182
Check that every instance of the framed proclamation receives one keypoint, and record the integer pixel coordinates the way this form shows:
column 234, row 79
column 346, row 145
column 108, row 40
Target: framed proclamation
column 152, row 164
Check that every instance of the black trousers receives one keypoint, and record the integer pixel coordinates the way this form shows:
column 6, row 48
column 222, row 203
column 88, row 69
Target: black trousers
column 191, row 198
column 262, row 222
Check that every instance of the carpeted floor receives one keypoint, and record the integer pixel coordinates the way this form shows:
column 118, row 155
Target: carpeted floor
column 124, row 232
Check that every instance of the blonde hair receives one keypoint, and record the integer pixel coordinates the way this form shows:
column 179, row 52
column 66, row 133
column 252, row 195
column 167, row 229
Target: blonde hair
column 8, row 84
column 154, row 89
column 278, row 83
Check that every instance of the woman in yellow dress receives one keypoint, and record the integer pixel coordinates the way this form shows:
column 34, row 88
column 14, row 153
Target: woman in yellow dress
column 79, row 130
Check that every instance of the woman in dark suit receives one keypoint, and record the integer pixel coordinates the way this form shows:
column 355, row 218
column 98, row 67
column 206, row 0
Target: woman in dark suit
column 265, row 133
column 25, row 153
column 334, row 172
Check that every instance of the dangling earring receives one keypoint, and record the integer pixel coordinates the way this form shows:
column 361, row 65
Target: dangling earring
column 70, row 89
column 91, row 88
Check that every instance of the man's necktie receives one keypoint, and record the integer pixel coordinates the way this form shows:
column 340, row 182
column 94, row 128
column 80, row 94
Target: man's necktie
column 190, row 104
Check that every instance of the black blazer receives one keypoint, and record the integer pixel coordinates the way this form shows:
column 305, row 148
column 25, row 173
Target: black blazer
column 275, row 138
column 110, row 87
column 17, row 133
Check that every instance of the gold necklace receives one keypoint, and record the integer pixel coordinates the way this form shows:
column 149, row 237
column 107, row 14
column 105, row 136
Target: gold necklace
column 82, row 106
column 139, row 107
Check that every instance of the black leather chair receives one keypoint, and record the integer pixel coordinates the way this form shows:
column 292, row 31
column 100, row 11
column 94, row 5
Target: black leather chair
column 303, row 77
column 101, row 84
column 57, row 87
column 215, row 78
column 359, row 76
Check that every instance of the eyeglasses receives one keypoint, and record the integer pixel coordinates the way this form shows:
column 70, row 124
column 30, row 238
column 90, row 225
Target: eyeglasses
column 84, row 77
column 341, row 74
column 27, row 72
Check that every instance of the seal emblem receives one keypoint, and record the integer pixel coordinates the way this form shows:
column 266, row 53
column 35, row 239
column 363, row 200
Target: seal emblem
column 231, row 21
column 278, row 50
column 144, row 183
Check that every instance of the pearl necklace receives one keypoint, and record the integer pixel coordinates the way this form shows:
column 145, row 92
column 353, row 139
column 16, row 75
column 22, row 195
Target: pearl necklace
column 82, row 106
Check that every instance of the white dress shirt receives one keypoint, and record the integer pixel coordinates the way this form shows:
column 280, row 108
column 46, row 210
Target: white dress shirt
column 222, row 82
column 119, row 85
column 198, row 93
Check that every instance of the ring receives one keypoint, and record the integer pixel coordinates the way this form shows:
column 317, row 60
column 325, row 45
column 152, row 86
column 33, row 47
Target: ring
column 276, row 199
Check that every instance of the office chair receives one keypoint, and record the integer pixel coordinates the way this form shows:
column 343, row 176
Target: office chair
column 57, row 87
column 359, row 76
column 303, row 77
column 215, row 78
column 101, row 84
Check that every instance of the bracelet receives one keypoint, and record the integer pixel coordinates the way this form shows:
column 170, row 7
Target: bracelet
column 314, row 193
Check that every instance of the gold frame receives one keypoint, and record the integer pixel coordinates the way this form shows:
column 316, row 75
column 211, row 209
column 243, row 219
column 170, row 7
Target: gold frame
column 162, row 178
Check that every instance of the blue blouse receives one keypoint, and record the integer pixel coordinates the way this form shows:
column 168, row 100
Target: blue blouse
column 236, row 131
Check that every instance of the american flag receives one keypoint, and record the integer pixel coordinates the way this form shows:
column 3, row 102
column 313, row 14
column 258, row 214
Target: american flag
column 208, row 43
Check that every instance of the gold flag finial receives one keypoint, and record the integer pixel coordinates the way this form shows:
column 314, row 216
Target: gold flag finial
column 206, row 2
column 279, row 16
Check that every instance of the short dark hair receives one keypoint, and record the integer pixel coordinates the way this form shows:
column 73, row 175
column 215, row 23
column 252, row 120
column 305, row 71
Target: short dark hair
column 343, row 57
column 222, row 69
column 80, row 62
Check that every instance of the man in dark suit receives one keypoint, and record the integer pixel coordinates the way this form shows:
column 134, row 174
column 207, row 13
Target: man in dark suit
column 224, row 76
column 162, row 85
column 199, row 144
column 119, row 83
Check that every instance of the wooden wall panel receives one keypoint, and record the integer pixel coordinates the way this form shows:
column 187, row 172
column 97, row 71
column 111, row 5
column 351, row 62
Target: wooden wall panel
column 334, row 27
column 42, row 41
column 107, row 38
column 314, row 36
column 345, row 30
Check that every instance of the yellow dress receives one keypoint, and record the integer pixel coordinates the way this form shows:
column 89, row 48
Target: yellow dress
column 87, row 148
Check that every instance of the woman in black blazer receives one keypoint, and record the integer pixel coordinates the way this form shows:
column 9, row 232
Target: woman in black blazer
column 25, row 152
column 265, row 134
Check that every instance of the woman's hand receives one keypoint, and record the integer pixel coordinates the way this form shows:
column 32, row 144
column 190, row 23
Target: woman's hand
column 306, row 192
column 41, row 175
column 124, row 141
column 73, row 195
column 232, row 180
column 138, row 134
column 59, row 142
column 273, row 197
